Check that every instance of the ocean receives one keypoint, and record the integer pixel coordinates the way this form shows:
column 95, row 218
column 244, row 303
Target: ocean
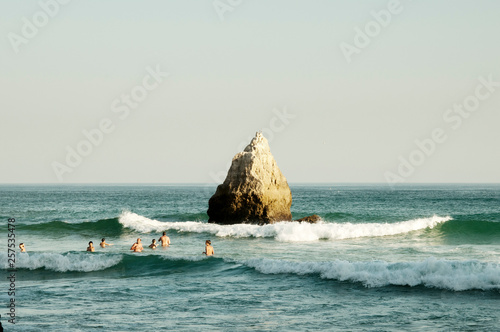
column 410, row 258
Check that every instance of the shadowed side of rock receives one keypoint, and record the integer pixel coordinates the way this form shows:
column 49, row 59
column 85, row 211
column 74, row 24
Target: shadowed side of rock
column 229, row 207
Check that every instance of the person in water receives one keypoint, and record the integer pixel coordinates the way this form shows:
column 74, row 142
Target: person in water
column 103, row 243
column 165, row 240
column 21, row 246
column 209, row 250
column 153, row 244
column 137, row 247
column 91, row 247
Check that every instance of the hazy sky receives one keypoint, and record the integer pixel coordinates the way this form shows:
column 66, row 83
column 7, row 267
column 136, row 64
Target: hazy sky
column 342, row 89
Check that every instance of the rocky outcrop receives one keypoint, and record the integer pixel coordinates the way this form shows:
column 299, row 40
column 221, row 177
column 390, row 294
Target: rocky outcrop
column 310, row 219
column 254, row 190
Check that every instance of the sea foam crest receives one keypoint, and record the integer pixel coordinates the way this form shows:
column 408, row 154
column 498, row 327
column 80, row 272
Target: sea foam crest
column 81, row 262
column 283, row 231
column 432, row 272
column 197, row 258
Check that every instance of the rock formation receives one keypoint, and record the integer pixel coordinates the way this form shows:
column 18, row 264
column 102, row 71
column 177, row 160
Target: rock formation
column 310, row 219
column 254, row 190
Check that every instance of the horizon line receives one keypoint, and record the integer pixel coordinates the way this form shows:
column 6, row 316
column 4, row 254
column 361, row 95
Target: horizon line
column 215, row 184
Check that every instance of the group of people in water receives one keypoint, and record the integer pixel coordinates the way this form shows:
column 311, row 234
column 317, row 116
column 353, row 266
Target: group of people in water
column 164, row 239
column 137, row 246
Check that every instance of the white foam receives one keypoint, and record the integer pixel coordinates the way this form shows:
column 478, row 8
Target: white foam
column 183, row 258
column 432, row 272
column 81, row 262
column 283, row 231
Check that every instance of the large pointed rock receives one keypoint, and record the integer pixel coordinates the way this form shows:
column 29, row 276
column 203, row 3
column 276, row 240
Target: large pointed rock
column 254, row 191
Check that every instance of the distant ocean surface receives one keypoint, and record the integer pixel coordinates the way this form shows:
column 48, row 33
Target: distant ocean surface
column 416, row 258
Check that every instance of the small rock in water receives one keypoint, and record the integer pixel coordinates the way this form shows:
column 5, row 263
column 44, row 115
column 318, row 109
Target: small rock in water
column 311, row 219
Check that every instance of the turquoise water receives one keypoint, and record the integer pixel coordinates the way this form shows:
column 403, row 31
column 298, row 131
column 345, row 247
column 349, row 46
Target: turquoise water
column 420, row 258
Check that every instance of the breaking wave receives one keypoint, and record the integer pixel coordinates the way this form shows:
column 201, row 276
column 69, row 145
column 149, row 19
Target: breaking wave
column 283, row 231
column 79, row 262
column 431, row 273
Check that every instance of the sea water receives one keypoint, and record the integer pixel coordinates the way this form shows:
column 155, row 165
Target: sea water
column 414, row 257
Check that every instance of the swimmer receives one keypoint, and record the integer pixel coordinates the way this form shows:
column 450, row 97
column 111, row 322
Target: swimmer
column 21, row 246
column 137, row 247
column 153, row 244
column 91, row 247
column 165, row 240
column 209, row 250
column 103, row 243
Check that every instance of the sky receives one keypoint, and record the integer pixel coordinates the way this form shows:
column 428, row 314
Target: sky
column 124, row 91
